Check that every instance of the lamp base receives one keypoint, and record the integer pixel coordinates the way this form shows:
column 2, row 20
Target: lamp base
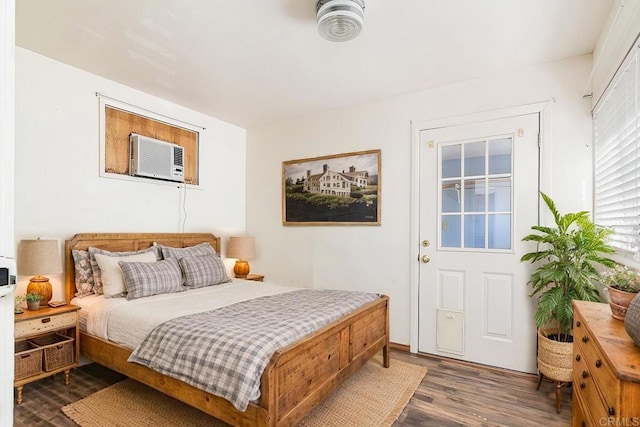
column 241, row 269
column 41, row 285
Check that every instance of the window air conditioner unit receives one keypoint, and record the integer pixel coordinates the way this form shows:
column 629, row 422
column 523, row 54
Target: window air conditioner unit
column 152, row 158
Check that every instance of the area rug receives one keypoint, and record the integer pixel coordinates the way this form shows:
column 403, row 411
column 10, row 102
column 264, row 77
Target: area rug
column 373, row 396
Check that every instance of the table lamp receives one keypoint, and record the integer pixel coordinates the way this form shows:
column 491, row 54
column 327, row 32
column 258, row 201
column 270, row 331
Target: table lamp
column 35, row 258
column 242, row 248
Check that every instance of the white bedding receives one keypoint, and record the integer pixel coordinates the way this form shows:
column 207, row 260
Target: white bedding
column 128, row 322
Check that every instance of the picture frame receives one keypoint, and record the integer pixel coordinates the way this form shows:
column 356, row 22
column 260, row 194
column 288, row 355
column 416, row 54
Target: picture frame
column 337, row 189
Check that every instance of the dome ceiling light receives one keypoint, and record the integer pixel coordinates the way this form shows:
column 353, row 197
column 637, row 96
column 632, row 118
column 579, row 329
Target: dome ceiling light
column 340, row 20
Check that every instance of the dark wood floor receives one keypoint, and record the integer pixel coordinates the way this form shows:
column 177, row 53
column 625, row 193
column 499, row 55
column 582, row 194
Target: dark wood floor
column 451, row 394
column 460, row 394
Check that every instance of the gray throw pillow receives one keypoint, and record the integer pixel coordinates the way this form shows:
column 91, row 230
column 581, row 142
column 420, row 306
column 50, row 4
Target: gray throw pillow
column 191, row 251
column 143, row 279
column 203, row 271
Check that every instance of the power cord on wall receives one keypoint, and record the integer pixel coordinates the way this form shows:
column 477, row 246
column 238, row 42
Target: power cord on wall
column 184, row 208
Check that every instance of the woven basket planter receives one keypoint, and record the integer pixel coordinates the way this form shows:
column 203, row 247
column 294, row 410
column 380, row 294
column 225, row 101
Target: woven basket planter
column 632, row 320
column 555, row 358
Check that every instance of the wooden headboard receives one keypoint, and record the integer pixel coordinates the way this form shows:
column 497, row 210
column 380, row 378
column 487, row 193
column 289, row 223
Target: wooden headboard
column 117, row 242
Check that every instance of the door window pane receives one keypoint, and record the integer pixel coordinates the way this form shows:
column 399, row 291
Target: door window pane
column 451, row 160
column 451, row 193
column 450, row 231
column 499, row 195
column 474, row 231
column 500, row 156
column 474, row 195
column 500, row 231
column 474, row 157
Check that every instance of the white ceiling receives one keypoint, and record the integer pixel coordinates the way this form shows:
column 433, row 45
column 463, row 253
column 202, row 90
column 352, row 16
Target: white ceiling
column 251, row 62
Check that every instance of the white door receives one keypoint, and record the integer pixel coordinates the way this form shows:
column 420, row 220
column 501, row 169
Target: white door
column 478, row 198
column 7, row 132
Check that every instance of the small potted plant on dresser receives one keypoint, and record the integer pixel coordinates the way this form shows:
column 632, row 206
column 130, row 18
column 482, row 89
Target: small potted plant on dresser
column 623, row 284
column 17, row 306
column 565, row 259
column 33, row 301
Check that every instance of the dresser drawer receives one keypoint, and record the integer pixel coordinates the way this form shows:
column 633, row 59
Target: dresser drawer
column 579, row 418
column 607, row 384
column 44, row 324
column 595, row 367
column 594, row 404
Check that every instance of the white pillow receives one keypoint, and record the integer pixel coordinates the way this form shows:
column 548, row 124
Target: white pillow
column 112, row 281
column 229, row 263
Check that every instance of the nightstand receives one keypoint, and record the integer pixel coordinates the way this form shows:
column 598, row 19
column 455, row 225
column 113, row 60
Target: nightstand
column 46, row 343
column 255, row 277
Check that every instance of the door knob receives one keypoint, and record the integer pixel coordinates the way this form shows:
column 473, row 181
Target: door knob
column 425, row 258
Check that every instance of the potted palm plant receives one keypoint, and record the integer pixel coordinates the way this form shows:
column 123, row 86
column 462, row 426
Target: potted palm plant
column 566, row 260
column 623, row 285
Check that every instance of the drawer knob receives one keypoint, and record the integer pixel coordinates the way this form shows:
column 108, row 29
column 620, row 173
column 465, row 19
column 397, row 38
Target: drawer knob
column 611, row 411
column 578, row 357
column 598, row 363
column 582, row 385
column 585, row 339
column 585, row 374
column 578, row 324
column 46, row 320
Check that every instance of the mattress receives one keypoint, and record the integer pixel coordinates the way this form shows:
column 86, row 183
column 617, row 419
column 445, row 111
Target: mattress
column 128, row 323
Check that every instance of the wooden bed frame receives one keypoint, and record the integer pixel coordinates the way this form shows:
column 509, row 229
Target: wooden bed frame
column 297, row 378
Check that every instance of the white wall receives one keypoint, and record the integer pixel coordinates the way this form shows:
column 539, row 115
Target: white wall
column 378, row 258
column 58, row 190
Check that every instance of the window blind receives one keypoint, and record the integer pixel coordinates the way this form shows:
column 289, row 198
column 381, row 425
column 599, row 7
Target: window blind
column 616, row 122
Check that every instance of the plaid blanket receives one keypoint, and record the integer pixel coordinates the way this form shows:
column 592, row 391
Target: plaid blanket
column 225, row 351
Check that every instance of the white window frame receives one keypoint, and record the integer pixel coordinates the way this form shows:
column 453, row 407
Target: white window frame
column 616, row 135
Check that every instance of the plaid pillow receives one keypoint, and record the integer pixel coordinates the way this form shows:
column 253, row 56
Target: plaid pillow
column 97, row 273
column 191, row 251
column 143, row 279
column 112, row 280
column 203, row 271
column 84, row 273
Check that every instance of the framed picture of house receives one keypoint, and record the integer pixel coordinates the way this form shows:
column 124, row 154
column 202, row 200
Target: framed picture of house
column 339, row 189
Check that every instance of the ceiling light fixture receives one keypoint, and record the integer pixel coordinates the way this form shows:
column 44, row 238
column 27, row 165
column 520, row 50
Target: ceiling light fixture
column 340, row 20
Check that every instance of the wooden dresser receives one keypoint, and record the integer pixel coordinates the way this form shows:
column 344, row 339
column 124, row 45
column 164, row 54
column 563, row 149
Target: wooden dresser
column 606, row 369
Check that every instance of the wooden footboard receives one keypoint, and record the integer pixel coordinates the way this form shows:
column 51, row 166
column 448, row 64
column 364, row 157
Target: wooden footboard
column 301, row 375
column 297, row 378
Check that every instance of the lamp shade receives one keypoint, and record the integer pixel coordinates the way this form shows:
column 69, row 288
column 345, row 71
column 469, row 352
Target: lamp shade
column 241, row 247
column 38, row 257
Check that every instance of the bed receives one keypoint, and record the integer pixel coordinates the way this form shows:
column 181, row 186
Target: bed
column 296, row 379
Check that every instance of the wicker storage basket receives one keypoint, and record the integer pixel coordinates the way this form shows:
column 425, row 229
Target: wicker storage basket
column 632, row 321
column 555, row 358
column 28, row 360
column 58, row 350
